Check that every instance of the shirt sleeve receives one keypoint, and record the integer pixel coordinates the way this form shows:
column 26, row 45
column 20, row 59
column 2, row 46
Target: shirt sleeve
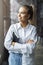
column 34, row 35
column 8, row 40
column 31, row 46
column 21, row 48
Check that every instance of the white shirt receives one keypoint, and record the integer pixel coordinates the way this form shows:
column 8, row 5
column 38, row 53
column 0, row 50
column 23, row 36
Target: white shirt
column 25, row 34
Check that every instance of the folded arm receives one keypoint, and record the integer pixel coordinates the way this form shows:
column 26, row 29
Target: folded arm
column 8, row 42
column 17, row 47
column 31, row 43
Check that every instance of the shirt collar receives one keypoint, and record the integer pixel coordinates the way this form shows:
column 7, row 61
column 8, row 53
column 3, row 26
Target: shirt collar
column 19, row 26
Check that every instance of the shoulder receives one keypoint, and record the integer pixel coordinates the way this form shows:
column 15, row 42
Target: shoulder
column 14, row 25
column 32, row 26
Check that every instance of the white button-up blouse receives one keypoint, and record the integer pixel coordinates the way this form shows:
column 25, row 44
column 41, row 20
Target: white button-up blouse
column 25, row 34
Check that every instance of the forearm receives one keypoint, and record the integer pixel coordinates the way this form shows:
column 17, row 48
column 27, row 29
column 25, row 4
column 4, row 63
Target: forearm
column 30, row 47
column 24, row 48
column 20, row 48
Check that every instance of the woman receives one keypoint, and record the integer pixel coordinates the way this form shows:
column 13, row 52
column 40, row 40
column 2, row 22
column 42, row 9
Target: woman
column 21, row 51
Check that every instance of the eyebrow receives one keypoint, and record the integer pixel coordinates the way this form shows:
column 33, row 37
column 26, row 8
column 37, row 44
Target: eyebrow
column 23, row 12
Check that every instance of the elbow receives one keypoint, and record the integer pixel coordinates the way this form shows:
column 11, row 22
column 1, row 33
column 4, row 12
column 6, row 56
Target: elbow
column 6, row 46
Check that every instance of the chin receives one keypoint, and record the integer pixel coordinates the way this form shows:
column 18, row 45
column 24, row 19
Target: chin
column 20, row 20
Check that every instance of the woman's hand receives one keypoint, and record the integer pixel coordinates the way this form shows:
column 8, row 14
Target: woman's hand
column 30, row 41
column 13, row 43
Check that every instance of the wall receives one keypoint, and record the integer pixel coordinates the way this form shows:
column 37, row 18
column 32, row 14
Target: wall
column 4, row 25
column 1, row 31
column 6, row 15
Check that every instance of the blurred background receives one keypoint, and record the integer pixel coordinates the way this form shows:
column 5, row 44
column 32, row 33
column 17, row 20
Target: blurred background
column 8, row 16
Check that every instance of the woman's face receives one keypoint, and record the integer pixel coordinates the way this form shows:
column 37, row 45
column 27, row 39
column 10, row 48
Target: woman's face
column 23, row 15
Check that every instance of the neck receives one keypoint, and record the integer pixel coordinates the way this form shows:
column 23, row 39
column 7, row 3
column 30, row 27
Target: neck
column 24, row 24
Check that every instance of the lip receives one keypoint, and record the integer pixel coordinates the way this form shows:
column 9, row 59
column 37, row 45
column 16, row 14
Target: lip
column 19, row 17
